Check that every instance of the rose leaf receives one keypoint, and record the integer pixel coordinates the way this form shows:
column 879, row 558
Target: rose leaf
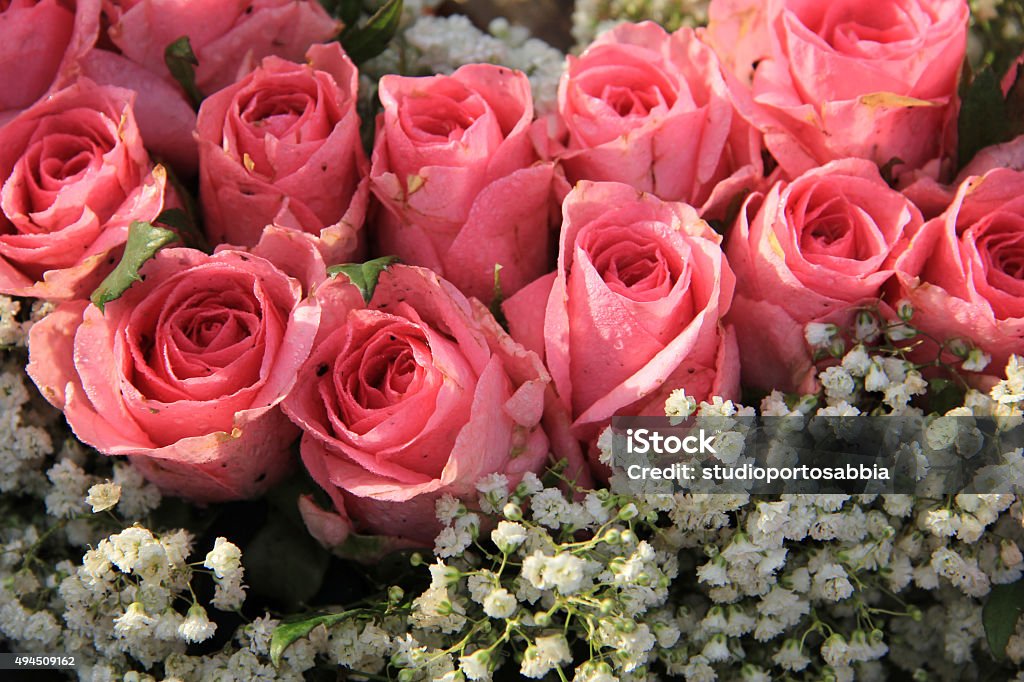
column 370, row 39
column 1002, row 609
column 179, row 220
column 363, row 275
column 181, row 61
column 982, row 119
column 144, row 240
column 288, row 633
column 346, row 10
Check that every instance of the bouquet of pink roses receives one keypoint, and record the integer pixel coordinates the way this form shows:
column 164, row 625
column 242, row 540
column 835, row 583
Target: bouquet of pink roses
column 310, row 254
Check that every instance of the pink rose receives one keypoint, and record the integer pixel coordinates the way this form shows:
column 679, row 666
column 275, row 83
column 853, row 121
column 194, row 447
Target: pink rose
column 75, row 175
column 848, row 78
column 963, row 272
column 653, row 110
column 229, row 37
column 459, row 178
column 184, row 373
column 282, row 146
column 416, row 396
column 816, row 249
column 39, row 39
column 634, row 309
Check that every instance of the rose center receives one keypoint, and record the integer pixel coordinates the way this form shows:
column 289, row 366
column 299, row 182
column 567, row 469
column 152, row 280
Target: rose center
column 632, row 263
column 443, row 114
column 276, row 115
column 832, row 227
column 386, row 366
column 384, row 378
column 829, row 230
column 846, row 23
column 62, row 169
column 629, row 102
column 1004, row 245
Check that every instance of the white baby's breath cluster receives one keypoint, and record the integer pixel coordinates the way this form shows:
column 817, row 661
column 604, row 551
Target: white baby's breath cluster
column 24, row 442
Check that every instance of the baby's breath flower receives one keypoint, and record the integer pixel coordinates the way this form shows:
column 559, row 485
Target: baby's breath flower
column 679, row 404
column 977, row 360
column 500, row 604
column 225, row 559
column 448, row 509
column 508, row 536
column 196, row 626
column 820, row 335
column 546, row 653
column 103, row 496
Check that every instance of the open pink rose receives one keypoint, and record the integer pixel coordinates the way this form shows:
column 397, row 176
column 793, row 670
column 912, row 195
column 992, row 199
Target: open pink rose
column 282, row 146
column 653, row 110
column 229, row 37
column 963, row 272
column 184, row 373
column 816, row 249
column 75, row 175
column 634, row 310
column 461, row 184
column 40, row 39
column 848, row 78
column 416, row 396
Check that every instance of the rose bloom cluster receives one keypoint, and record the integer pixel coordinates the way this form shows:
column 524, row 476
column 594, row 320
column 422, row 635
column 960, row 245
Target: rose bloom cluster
column 697, row 202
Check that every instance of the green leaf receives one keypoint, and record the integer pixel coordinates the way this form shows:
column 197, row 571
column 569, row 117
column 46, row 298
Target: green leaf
column 983, row 121
column 370, row 39
column 363, row 275
column 181, row 222
column 181, row 62
column 346, row 10
column 144, row 240
column 1002, row 609
column 288, row 633
column 283, row 563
